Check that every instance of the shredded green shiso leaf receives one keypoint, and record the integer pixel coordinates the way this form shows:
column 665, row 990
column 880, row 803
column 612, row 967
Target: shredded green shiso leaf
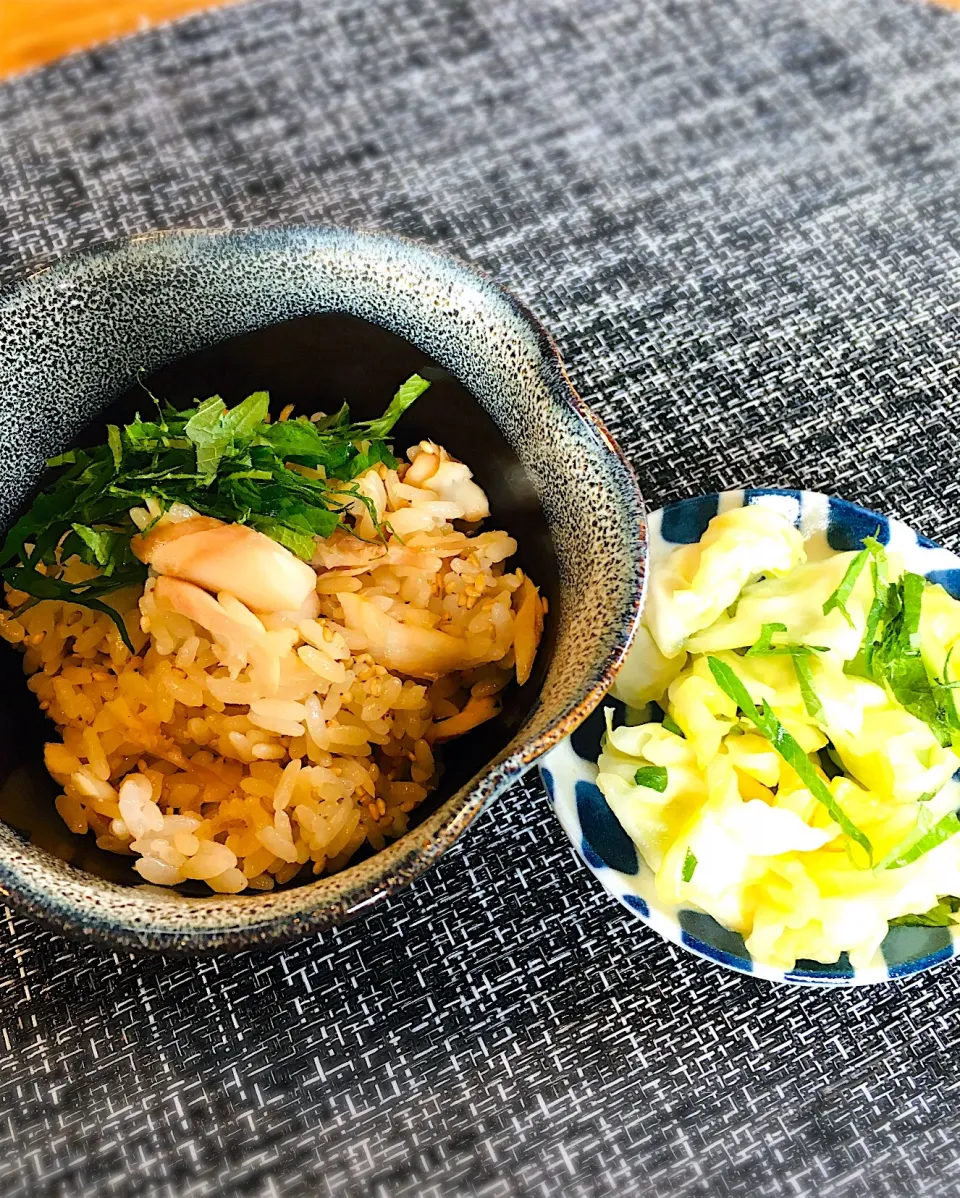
column 843, row 592
column 940, row 916
column 785, row 745
column 890, row 651
column 653, row 777
column 893, row 654
column 941, row 831
column 764, row 645
column 811, row 701
column 890, row 656
column 671, row 725
column 231, row 463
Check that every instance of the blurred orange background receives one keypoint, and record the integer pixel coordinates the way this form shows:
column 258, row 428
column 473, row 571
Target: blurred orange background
column 36, row 31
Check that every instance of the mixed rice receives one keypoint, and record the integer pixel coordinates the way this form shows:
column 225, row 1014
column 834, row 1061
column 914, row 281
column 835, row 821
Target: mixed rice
column 245, row 743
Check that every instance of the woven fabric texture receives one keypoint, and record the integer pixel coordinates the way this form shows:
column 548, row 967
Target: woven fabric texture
column 739, row 218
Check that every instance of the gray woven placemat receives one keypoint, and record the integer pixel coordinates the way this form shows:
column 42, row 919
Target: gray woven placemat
column 740, row 219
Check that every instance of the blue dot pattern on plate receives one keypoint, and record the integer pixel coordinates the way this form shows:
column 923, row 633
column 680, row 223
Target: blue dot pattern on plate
column 948, row 579
column 603, row 838
column 710, row 939
column 612, row 856
column 686, row 522
column 849, row 524
column 904, row 947
column 816, row 972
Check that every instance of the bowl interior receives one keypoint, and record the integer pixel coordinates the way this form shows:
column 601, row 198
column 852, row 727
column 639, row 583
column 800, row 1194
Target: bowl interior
column 314, row 362
column 315, row 315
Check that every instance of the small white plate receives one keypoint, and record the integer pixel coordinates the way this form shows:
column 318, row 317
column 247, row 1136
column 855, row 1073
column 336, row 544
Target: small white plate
column 569, row 770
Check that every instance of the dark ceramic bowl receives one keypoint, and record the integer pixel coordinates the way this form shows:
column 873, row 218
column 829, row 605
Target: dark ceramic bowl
column 314, row 316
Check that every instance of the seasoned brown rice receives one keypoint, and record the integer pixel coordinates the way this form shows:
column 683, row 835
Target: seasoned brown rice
column 243, row 761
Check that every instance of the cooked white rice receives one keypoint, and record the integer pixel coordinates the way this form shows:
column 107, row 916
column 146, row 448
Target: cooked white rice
column 244, row 761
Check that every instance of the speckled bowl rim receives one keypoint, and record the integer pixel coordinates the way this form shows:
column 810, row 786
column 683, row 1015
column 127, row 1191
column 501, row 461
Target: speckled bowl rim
column 323, row 904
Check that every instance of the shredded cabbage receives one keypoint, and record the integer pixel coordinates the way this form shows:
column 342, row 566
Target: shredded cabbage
column 698, row 582
column 735, row 831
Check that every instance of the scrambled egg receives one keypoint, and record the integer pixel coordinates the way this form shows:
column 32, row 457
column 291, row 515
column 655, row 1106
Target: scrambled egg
column 728, row 825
